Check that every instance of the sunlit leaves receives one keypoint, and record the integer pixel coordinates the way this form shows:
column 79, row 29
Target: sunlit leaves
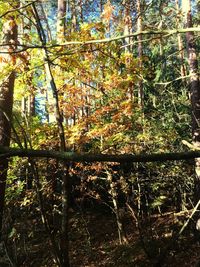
column 98, row 85
column 107, row 12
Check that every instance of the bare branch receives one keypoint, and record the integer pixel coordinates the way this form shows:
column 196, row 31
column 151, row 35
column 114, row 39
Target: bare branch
column 6, row 152
column 166, row 33
column 17, row 9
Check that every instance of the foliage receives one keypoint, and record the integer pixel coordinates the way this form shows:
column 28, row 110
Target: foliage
column 112, row 100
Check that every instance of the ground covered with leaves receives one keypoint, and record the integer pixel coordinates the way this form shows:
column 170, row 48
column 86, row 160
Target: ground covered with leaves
column 94, row 240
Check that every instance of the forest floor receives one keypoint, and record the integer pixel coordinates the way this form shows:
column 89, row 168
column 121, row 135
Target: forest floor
column 94, row 242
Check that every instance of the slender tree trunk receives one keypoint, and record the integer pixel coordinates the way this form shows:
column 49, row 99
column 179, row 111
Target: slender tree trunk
column 6, row 102
column 140, row 53
column 180, row 42
column 64, row 242
column 73, row 15
column 44, row 12
column 23, row 106
column 28, row 103
column 61, row 30
column 113, row 193
column 128, row 47
column 194, row 86
column 45, row 16
column 31, row 105
column 127, row 25
column 81, row 11
column 64, row 235
column 61, row 26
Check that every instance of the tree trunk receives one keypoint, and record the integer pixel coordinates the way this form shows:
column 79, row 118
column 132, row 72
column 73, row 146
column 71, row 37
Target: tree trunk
column 73, row 15
column 127, row 25
column 128, row 46
column 194, row 86
column 61, row 20
column 180, row 42
column 6, row 102
column 113, row 193
column 31, row 105
column 27, row 102
column 64, row 235
column 140, row 53
column 61, row 30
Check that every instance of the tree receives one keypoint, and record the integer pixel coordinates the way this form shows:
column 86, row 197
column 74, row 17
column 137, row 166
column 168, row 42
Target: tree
column 93, row 80
column 140, row 52
column 180, row 41
column 194, row 86
column 64, row 235
column 6, row 95
column 61, row 20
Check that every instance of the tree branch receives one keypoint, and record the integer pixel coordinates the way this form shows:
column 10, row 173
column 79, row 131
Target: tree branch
column 17, row 9
column 6, row 152
column 107, row 40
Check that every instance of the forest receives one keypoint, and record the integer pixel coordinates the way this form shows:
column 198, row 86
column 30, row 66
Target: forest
column 99, row 133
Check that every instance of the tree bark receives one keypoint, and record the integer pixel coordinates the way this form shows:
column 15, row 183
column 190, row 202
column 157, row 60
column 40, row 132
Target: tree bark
column 140, row 53
column 86, row 157
column 73, row 15
column 180, row 42
column 64, row 235
column 61, row 20
column 127, row 25
column 6, row 102
column 113, row 193
column 194, row 86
